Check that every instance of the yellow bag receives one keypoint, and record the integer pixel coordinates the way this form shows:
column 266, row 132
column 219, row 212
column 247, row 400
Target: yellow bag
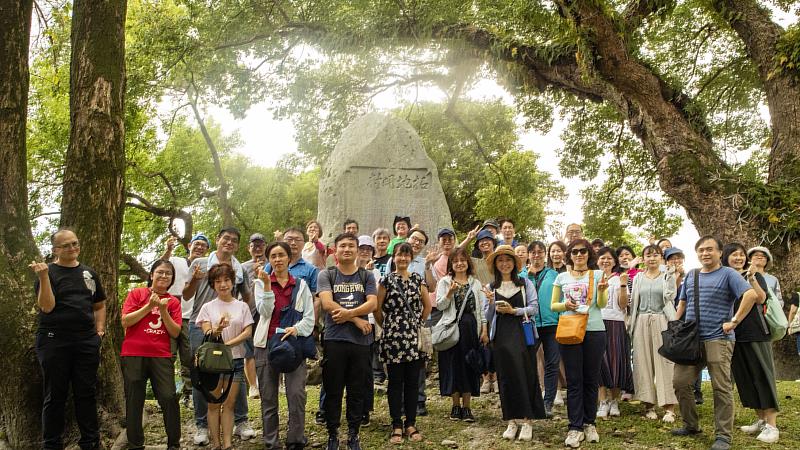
column 572, row 327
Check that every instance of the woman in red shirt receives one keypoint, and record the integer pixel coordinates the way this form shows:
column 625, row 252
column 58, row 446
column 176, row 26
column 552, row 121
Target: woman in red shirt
column 150, row 317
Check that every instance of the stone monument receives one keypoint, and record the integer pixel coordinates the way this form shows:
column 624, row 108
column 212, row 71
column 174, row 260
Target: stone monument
column 378, row 170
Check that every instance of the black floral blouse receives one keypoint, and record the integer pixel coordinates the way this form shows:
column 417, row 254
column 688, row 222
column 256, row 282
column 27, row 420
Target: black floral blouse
column 402, row 312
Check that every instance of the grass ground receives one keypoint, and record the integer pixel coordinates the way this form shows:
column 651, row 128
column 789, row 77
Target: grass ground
column 631, row 431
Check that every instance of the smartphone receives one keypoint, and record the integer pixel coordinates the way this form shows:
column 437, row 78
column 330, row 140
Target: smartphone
column 502, row 303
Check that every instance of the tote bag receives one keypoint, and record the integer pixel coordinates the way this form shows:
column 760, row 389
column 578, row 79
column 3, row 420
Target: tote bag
column 681, row 339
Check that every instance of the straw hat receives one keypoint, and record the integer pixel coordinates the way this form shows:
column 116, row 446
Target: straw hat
column 504, row 250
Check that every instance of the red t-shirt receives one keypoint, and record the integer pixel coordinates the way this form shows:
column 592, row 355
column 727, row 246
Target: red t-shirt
column 148, row 337
column 283, row 297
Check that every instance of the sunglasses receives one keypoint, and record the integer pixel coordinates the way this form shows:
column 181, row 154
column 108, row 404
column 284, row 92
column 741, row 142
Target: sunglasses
column 579, row 251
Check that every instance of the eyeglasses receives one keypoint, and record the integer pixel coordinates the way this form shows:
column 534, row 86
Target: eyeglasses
column 160, row 273
column 414, row 239
column 73, row 244
column 291, row 239
column 579, row 251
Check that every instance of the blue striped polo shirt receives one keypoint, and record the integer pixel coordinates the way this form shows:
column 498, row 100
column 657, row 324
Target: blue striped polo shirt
column 718, row 291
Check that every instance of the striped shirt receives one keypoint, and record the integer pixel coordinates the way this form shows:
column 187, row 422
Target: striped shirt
column 718, row 291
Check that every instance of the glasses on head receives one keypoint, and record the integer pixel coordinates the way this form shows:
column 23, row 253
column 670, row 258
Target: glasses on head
column 73, row 244
column 162, row 273
column 579, row 251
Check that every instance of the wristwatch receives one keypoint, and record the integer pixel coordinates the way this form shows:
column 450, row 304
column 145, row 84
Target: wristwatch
column 734, row 320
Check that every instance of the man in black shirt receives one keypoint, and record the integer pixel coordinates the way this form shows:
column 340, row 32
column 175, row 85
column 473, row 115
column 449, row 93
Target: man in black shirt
column 72, row 321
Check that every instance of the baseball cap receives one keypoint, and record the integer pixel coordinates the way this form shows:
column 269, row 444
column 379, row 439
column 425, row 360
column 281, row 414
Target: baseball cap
column 257, row 237
column 490, row 223
column 201, row 237
column 444, row 232
column 672, row 251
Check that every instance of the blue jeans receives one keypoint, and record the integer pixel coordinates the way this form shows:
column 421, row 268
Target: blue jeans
column 552, row 357
column 200, row 404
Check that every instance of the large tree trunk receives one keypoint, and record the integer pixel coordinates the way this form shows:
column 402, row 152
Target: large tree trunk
column 21, row 389
column 93, row 197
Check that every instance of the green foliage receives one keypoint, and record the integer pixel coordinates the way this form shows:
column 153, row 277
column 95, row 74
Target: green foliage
column 787, row 53
column 517, row 189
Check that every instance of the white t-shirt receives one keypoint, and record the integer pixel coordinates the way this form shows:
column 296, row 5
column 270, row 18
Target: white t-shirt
column 182, row 277
column 239, row 317
column 612, row 311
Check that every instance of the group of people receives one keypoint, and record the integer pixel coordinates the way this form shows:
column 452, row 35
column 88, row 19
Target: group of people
column 495, row 309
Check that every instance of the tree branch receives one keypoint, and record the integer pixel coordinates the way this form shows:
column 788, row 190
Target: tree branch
column 171, row 213
column 638, row 11
column 136, row 268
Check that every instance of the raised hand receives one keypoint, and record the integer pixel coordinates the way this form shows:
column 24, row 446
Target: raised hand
column 623, row 278
column 472, row 233
column 154, row 301
column 39, row 268
column 263, row 276
column 198, row 273
column 171, row 243
column 454, row 285
column 489, row 294
column 278, row 235
column 603, row 284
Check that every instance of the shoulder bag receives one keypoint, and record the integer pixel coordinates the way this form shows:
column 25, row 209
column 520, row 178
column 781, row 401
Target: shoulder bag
column 681, row 339
column 776, row 319
column 445, row 336
column 572, row 327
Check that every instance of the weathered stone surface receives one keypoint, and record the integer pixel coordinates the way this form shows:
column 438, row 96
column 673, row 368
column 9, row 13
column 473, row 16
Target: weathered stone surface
column 379, row 169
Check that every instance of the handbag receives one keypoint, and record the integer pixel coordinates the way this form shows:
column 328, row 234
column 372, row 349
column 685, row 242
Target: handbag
column 424, row 340
column 681, row 339
column 776, row 319
column 212, row 360
column 213, row 356
column 572, row 327
column 445, row 336
column 527, row 329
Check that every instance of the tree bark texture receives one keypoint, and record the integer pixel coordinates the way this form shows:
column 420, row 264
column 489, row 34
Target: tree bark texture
column 93, row 196
column 22, row 380
column 689, row 170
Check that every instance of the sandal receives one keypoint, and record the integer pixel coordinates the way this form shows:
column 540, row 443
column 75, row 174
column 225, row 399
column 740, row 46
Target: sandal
column 414, row 436
column 397, row 436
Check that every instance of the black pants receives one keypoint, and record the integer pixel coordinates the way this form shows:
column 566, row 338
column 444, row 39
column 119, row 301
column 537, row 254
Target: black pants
column 137, row 370
column 402, row 391
column 345, row 365
column 68, row 363
column 582, row 368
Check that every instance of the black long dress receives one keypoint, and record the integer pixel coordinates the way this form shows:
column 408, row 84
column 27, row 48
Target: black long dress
column 455, row 375
column 517, row 375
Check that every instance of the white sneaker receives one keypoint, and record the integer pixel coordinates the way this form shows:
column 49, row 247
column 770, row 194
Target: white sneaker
column 574, row 438
column 526, row 433
column 754, row 427
column 495, row 387
column 602, row 410
column 590, row 431
column 244, row 431
column 769, row 434
column 651, row 414
column 669, row 417
column 511, row 431
column 201, row 436
column 486, row 386
column 613, row 409
column 253, row 392
column 559, row 400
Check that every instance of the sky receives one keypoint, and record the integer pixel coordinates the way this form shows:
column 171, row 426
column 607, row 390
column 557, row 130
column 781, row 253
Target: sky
column 265, row 140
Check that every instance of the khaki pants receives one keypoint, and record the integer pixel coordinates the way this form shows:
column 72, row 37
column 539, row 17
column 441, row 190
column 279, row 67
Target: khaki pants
column 717, row 355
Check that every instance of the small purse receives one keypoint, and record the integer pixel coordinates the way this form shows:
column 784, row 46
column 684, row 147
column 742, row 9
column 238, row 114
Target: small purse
column 527, row 324
column 572, row 327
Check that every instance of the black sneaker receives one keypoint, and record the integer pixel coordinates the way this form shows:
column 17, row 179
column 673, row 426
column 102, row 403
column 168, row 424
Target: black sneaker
column 684, row 431
column 353, row 443
column 333, row 442
column 422, row 411
column 466, row 415
column 365, row 420
column 319, row 418
column 455, row 413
